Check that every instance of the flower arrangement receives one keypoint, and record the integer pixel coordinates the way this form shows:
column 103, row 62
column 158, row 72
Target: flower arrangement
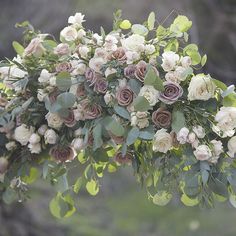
column 135, row 96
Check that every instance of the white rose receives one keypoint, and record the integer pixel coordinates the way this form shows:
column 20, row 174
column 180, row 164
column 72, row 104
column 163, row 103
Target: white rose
column 101, row 52
column 134, row 43
column 132, row 56
column 150, row 93
column 77, row 19
column 98, row 39
column 199, row 131
column 191, row 138
column 162, row 141
column 150, row 49
column 34, row 138
column 42, row 129
column 226, row 121
column 52, row 81
column 110, row 43
column 78, row 144
column 139, row 119
column 182, row 135
column 217, row 147
column 110, row 71
column 54, row 120
column 96, row 63
column 22, row 134
column 78, row 132
column 81, row 33
column 169, row 60
column 83, row 51
column 186, row 61
column 35, row 148
column 10, row 145
column 108, row 97
column 203, row 153
column 69, row 33
column 79, row 68
column 44, row 76
column 232, row 147
column 50, row 136
column 201, row 87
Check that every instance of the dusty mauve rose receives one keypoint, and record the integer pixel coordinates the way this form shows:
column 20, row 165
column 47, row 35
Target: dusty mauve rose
column 118, row 55
column 80, row 92
column 161, row 118
column 70, row 120
column 141, row 70
column 172, row 92
column 124, row 96
column 129, row 71
column 90, row 109
column 62, row 153
column 63, row 66
column 90, row 76
column 101, row 85
column 126, row 159
column 117, row 139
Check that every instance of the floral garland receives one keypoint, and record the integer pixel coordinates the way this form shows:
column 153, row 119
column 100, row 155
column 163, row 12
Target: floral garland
column 134, row 96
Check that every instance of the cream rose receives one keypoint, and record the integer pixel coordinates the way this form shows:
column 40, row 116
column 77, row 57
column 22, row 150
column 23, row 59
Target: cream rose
column 34, row 138
column 54, row 120
column 182, row 135
column 77, row 19
column 199, row 131
column 69, row 33
column 50, row 136
column 201, row 87
column 162, row 141
column 150, row 93
column 35, row 48
column 169, row 60
column 202, row 153
column 44, row 76
column 22, row 134
column 35, row 148
column 134, row 43
column 78, row 144
column 96, row 63
column 232, row 147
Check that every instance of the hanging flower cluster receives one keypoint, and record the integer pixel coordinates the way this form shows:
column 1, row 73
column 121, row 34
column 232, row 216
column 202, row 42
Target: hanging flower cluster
column 134, row 96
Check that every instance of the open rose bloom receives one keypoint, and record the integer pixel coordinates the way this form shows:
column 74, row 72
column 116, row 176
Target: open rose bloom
column 121, row 98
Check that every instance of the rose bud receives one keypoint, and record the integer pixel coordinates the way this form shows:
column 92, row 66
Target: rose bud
column 3, row 165
column 124, row 96
column 118, row 55
column 129, row 71
column 91, row 110
column 161, row 118
column 101, row 86
column 141, row 70
column 172, row 92
column 70, row 120
column 62, row 153
column 126, row 159
column 34, row 48
column 64, row 66
column 90, row 76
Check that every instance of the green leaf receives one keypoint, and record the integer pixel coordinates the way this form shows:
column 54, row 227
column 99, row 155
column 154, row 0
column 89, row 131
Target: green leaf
column 62, row 206
column 151, row 20
column 92, row 187
column 218, row 187
column 141, row 104
column 162, row 198
column 151, row 78
column 182, row 23
column 32, row 177
column 63, row 80
column 195, row 56
column 178, row 120
column 220, row 84
column 232, row 200
column 116, row 128
column 189, row 201
column 66, row 100
column 125, row 24
column 139, row 29
column 132, row 136
column 230, row 100
column 97, row 136
column 62, row 183
column 78, row 184
column 18, row 48
column 204, row 60
column 121, row 111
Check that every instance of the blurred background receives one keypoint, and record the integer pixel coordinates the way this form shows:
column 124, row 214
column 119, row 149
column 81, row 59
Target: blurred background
column 122, row 208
